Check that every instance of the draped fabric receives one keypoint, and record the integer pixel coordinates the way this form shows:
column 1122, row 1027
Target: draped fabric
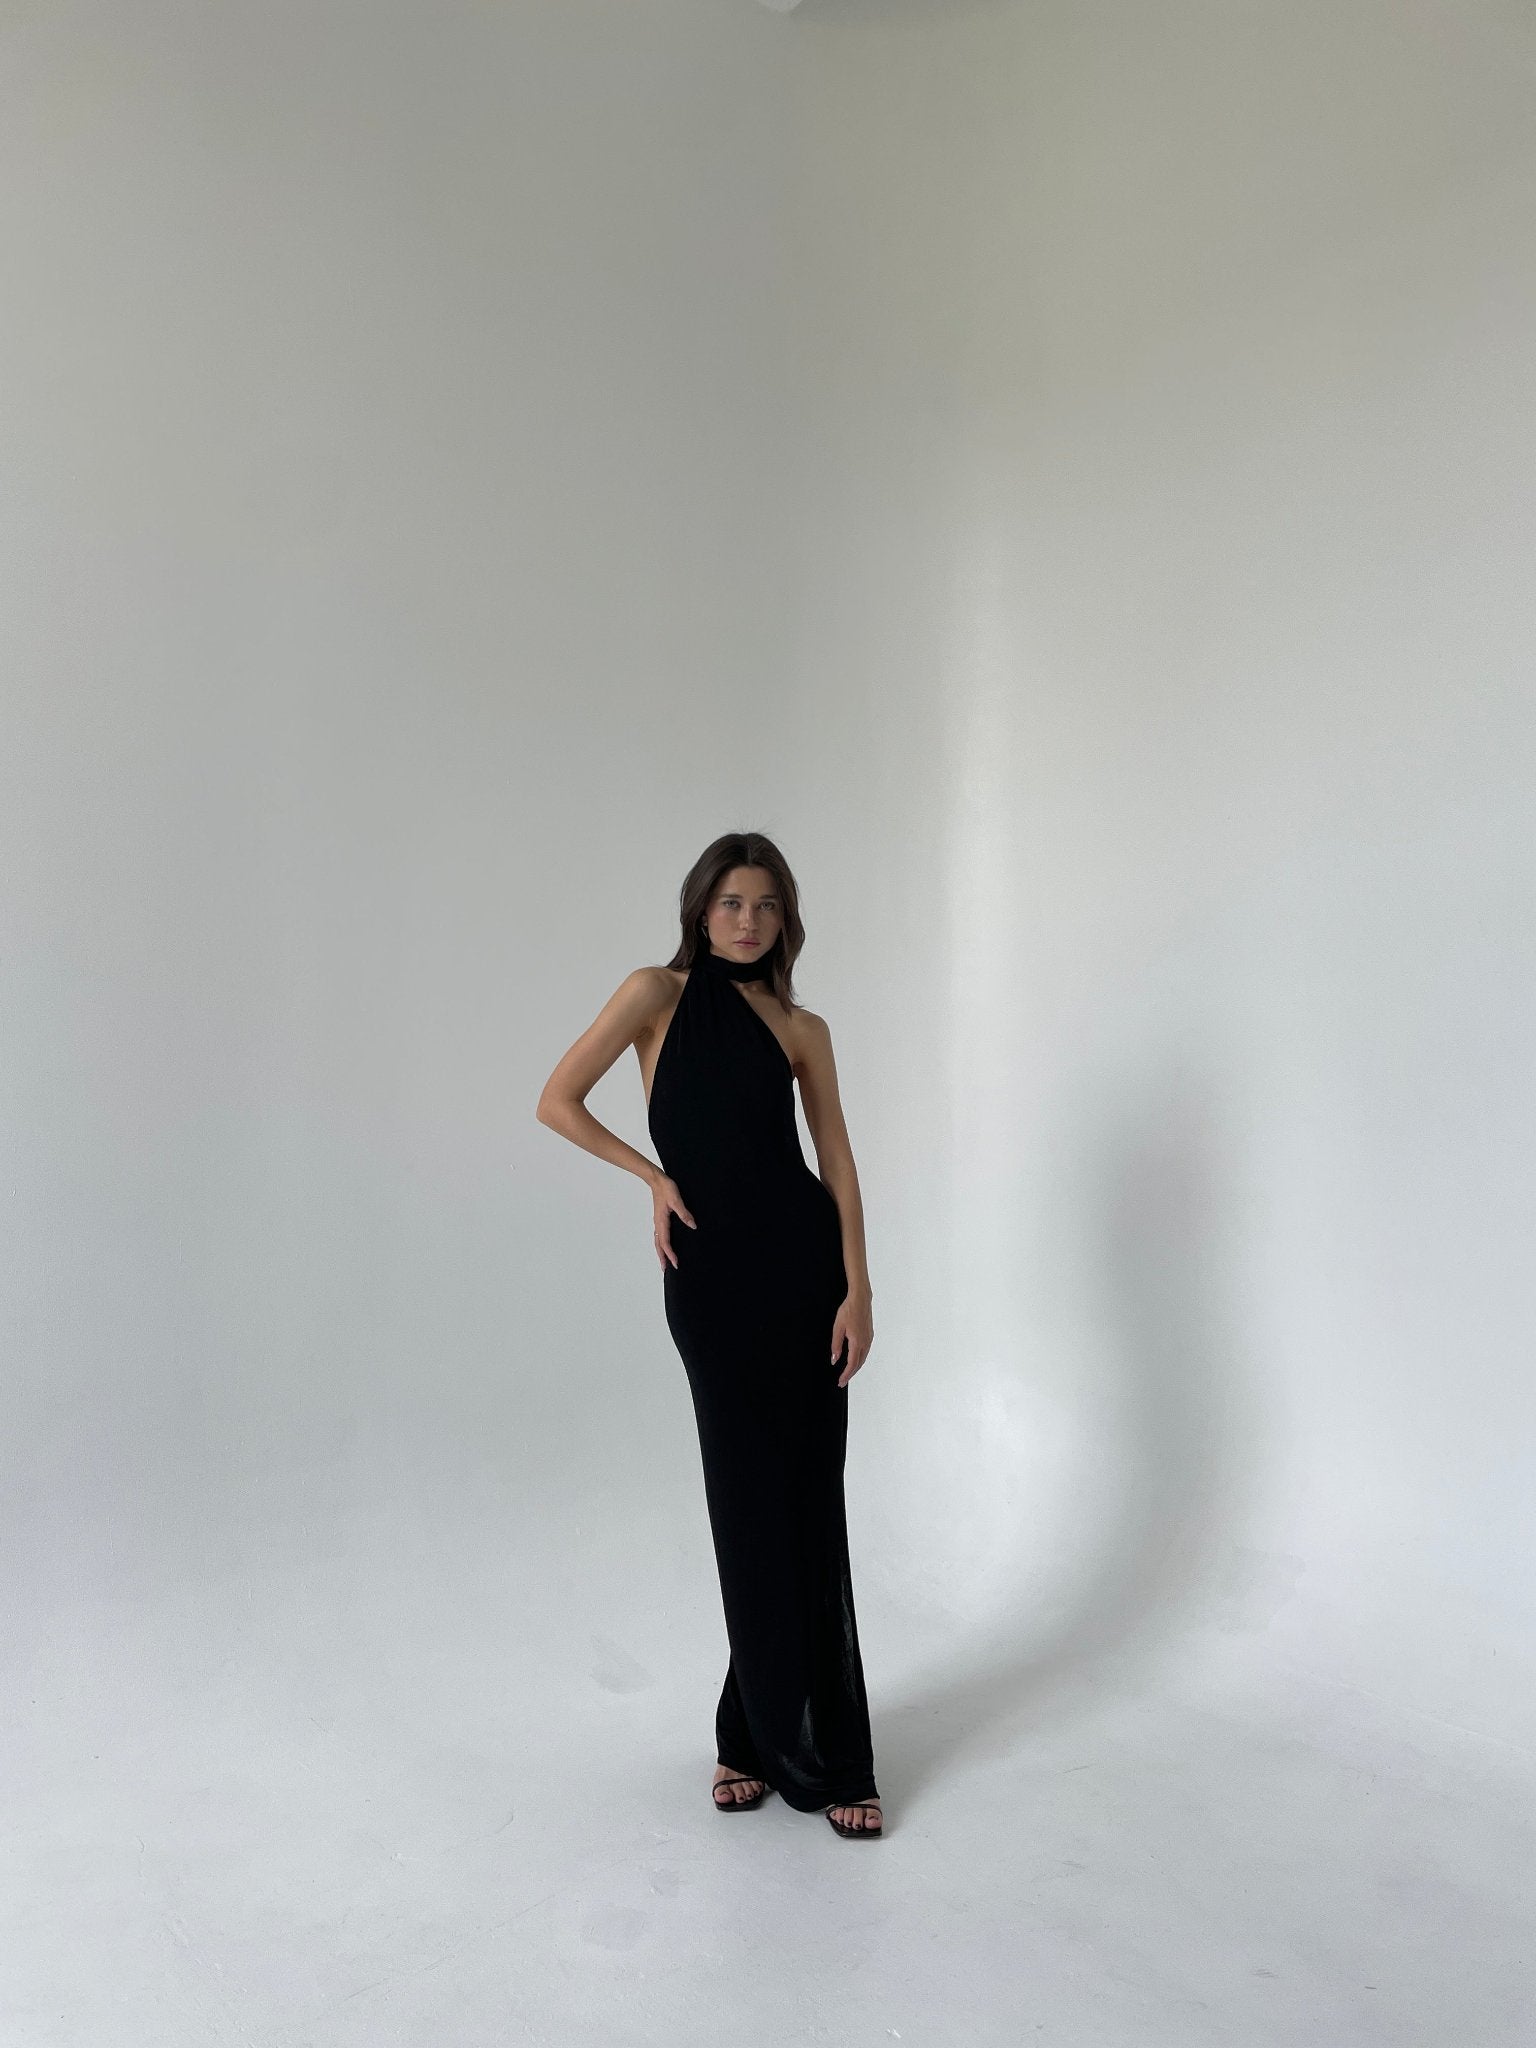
column 750, row 1306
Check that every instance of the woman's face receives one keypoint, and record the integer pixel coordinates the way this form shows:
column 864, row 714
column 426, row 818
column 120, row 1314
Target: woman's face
column 745, row 915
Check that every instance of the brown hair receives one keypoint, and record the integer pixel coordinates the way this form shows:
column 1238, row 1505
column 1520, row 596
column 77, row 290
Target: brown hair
column 742, row 850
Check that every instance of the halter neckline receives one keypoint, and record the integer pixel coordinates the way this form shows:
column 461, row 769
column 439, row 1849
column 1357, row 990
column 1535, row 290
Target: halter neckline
column 736, row 970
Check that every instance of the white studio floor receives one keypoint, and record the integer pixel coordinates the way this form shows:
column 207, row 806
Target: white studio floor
column 277, row 1822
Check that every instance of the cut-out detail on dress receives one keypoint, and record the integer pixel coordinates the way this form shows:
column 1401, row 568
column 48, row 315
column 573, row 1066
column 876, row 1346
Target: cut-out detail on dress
column 778, row 1042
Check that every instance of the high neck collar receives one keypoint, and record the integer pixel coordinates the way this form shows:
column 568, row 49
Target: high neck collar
column 757, row 969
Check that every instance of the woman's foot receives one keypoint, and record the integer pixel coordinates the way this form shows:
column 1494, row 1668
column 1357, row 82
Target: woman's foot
column 864, row 1818
column 738, row 1790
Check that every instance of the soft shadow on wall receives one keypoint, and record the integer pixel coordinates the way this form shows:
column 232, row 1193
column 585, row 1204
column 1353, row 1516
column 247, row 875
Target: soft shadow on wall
column 1144, row 1221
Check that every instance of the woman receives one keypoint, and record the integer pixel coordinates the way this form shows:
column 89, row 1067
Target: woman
column 766, row 1290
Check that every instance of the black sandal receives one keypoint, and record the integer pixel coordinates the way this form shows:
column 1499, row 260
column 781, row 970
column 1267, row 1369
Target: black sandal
column 855, row 1834
column 738, row 1805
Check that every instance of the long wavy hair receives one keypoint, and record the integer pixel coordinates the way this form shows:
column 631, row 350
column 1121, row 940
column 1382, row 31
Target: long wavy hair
column 741, row 850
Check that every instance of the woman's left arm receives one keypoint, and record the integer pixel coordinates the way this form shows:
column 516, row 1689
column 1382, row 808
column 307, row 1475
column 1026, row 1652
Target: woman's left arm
column 816, row 1070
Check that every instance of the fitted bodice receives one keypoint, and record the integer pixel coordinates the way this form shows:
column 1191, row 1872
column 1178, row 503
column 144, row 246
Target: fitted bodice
column 722, row 1108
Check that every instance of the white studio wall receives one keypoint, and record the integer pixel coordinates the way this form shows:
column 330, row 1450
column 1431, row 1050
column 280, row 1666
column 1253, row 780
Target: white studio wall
column 1064, row 471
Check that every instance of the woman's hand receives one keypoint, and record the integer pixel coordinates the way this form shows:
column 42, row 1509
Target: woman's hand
column 855, row 1327
column 667, row 1202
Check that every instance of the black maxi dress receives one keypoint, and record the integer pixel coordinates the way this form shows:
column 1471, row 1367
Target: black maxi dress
column 750, row 1305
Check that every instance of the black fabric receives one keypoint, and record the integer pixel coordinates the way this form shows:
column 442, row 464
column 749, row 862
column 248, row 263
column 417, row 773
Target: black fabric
column 750, row 1305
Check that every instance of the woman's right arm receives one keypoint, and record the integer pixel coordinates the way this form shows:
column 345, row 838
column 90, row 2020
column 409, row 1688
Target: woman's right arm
column 637, row 1001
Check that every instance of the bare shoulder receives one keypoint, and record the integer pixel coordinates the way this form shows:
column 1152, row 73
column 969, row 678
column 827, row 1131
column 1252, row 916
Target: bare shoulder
column 655, row 993
column 641, row 998
column 812, row 1036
